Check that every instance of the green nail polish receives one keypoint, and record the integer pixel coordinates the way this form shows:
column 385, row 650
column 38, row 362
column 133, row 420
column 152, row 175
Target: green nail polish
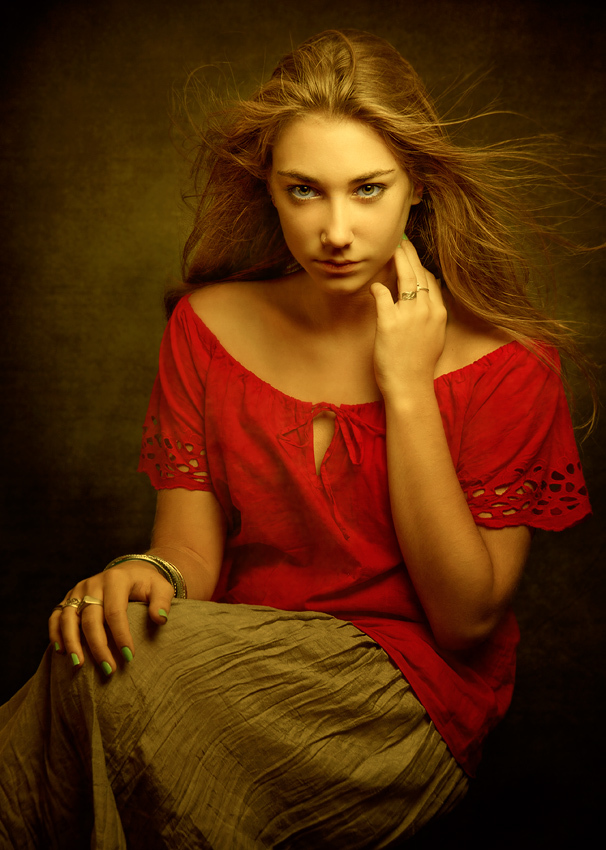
column 57, row 647
column 404, row 238
column 75, row 659
column 107, row 669
column 127, row 653
column 163, row 613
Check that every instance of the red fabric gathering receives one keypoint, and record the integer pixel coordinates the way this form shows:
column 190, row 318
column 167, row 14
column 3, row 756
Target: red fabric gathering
column 298, row 540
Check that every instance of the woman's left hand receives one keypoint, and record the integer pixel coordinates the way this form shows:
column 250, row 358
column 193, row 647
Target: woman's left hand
column 410, row 333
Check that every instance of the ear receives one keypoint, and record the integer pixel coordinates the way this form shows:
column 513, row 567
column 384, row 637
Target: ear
column 269, row 192
column 417, row 195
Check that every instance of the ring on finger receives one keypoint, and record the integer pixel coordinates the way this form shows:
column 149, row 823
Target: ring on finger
column 408, row 296
column 88, row 600
column 71, row 603
column 422, row 289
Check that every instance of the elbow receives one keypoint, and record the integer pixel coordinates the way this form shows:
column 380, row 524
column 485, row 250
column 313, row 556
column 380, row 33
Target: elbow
column 463, row 636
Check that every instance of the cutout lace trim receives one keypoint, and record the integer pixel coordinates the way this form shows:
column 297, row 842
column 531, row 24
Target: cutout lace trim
column 173, row 458
column 536, row 494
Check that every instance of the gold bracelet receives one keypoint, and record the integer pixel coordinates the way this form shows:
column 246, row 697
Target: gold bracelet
column 166, row 569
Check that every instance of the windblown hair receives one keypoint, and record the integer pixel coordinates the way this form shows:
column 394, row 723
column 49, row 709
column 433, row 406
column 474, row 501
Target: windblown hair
column 471, row 228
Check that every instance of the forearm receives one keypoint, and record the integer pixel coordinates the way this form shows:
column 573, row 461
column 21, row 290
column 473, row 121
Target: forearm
column 189, row 532
column 445, row 554
column 200, row 575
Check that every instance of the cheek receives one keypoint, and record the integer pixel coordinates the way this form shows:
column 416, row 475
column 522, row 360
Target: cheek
column 293, row 237
column 296, row 227
column 390, row 226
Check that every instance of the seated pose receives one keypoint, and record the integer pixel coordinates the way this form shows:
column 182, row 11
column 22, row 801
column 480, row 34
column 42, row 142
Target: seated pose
column 357, row 422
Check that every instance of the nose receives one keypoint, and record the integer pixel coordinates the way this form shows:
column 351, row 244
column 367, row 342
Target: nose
column 337, row 231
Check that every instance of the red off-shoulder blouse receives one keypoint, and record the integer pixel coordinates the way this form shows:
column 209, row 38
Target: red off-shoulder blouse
column 297, row 540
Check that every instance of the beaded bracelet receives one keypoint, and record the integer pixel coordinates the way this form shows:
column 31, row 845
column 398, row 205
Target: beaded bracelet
column 167, row 570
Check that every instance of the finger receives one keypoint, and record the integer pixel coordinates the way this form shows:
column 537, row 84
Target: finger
column 424, row 278
column 383, row 298
column 92, row 623
column 54, row 630
column 160, row 599
column 70, row 632
column 409, row 265
column 406, row 275
column 115, row 607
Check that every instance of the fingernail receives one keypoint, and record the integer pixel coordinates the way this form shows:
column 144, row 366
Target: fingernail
column 404, row 238
column 127, row 653
column 57, row 647
column 75, row 659
column 163, row 613
column 107, row 668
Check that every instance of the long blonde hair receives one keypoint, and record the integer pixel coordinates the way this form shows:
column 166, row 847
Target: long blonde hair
column 471, row 228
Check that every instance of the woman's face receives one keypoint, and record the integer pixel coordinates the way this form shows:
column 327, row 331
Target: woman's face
column 343, row 201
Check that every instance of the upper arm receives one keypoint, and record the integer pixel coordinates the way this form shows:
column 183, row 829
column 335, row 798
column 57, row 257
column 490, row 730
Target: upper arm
column 508, row 550
column 192, row 524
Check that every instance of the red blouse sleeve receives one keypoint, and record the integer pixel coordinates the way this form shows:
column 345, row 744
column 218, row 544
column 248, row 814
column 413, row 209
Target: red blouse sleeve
column 518, row 461
column 173, row 449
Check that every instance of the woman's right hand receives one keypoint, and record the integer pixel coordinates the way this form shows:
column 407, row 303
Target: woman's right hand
column 106, row 624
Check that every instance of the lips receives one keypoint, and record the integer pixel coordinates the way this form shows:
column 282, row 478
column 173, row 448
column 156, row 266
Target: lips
column 338, row 266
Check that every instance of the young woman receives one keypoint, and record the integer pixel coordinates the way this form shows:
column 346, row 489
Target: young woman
column 350, row 451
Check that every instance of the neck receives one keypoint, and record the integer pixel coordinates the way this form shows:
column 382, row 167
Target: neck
column 334, row 312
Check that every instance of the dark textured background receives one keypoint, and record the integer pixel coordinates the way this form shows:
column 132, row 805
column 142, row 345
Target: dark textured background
column 91, row 228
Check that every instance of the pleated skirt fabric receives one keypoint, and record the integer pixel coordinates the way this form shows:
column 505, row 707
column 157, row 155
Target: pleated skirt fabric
column 234, row 728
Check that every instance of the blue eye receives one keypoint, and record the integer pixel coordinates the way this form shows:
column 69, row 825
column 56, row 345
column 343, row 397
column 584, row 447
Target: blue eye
column 370, row 190
column 302, row 193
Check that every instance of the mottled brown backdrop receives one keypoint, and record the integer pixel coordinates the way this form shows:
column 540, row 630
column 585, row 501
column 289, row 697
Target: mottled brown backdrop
column 91, row 229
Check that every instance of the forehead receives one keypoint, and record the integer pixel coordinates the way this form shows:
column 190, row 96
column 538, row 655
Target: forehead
column 329, row 148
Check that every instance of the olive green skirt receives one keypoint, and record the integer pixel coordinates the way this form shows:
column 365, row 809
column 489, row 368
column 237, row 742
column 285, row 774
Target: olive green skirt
column 234, row 728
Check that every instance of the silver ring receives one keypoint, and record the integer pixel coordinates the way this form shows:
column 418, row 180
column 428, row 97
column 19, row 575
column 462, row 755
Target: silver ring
column 422, row 289
column 71, row 603
column 408, row 296
column 89, row 600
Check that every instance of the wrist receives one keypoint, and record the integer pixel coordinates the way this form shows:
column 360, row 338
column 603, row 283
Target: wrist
column 167, row 570
column 411, row 400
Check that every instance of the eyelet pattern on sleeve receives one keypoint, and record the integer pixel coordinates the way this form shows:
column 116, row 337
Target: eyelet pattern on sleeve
column 172, row 462
column 540, row 496
column 511, row 435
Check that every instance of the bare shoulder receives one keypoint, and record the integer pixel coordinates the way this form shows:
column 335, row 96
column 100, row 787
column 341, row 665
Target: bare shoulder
column 221, row 305
column 241, row 314
column 467, row 340
column 219, row 302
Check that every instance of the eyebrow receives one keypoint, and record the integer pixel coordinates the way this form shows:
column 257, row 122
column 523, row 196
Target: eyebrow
column 363, row 178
